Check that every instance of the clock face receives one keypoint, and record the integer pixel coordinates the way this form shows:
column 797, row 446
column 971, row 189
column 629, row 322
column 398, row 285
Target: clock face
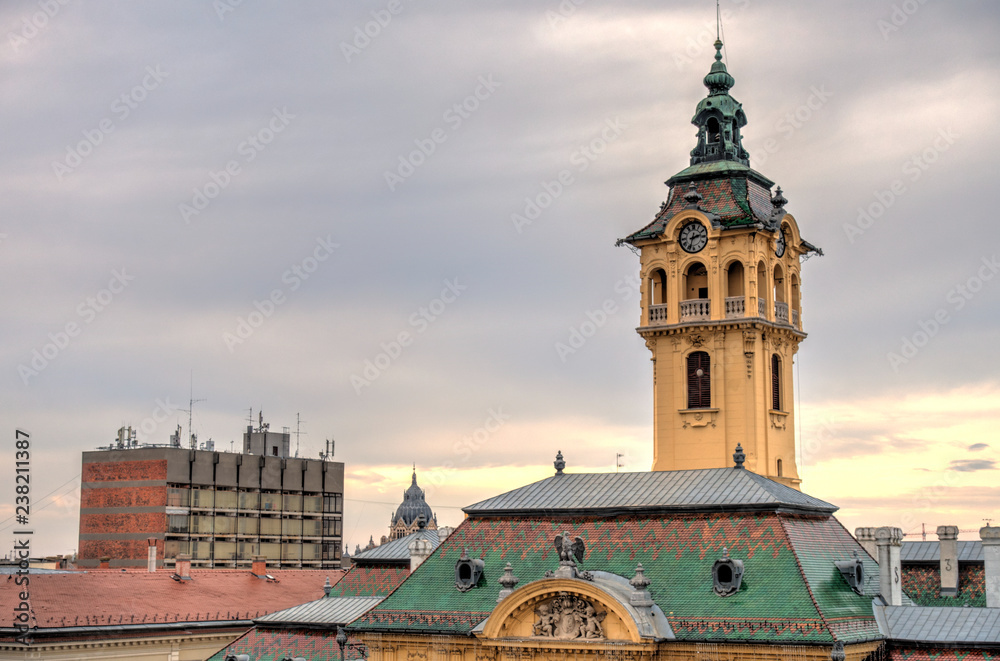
column 693, row 237
column 779, row 243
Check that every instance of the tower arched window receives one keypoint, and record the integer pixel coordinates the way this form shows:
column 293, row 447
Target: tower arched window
column 658, row 287
column 699, row 380
column 780, row 472
column 713, row 129
column 775, row 382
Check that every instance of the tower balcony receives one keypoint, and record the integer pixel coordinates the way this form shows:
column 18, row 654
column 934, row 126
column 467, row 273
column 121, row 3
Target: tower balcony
column 697, row 309
column 781, row 312
column 700, row 309
column 658, row 315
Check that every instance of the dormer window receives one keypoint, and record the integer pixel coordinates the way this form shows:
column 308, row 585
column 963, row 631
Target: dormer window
column 468, row 571
column 727, row 575
column 853, row 572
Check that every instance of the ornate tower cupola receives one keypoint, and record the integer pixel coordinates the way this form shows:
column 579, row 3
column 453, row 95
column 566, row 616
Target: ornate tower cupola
column 721, row 303
column 413, row 513
column 719, row 118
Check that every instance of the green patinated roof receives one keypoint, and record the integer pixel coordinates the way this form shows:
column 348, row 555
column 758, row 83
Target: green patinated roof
column 789, row 592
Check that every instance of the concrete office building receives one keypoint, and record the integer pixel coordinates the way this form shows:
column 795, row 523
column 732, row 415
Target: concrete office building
column 150, row 504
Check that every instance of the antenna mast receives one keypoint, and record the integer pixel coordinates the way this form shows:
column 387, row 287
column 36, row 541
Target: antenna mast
column 190, row 411
column 298, row 422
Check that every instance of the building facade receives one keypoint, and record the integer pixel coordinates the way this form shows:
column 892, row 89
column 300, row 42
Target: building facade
column 721, row 305
column 221, row 508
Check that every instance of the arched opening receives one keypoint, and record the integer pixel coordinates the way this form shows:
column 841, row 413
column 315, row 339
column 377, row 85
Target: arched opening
column 780, row 303
column 775, row 382
column 780, row 472
column 735, row 292
column 725, row 574
column 779, row 284
column 658, row 286
column 464, row 573
column 795, row 300
column 695, row 306
column 696, row 282
column 658, row 297
column 699, row 381
column 713, row 129
column 762, row 289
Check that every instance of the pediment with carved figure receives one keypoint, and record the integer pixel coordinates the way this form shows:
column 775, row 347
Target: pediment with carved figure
column 560, row 610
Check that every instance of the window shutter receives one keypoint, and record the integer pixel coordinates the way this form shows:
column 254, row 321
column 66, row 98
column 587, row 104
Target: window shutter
column 775, row 382
column 699, row 387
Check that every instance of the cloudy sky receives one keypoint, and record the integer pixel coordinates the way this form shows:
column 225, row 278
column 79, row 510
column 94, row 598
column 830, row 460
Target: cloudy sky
column 315, row 208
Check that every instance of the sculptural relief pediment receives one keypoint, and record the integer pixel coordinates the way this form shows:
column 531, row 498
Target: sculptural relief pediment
column 567, row 617
column 559, row 611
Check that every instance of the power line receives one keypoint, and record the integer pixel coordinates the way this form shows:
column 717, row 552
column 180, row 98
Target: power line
column 42, row 500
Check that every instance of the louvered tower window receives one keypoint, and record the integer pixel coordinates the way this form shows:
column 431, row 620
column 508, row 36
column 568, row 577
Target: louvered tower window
column 775, row 382
column 699, row 381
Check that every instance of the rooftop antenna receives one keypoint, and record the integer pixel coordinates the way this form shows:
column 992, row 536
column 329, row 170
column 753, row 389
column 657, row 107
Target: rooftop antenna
column 298, row 422
column 618, row 461
column 190, row 411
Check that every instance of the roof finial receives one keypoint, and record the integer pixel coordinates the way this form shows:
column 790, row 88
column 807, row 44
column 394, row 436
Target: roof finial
column 559, row 463
column 739, row 456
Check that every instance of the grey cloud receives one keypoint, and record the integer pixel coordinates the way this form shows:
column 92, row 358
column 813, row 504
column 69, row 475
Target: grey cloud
column 972, row 465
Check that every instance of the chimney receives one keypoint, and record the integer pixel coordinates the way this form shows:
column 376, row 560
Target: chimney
column 259, row 568
column 948, row 539
column 991, row 555
column 151, row 559
column 420, row 550
column 866, row 537
column 888, row 540
column 182, row 566
column 106, row 562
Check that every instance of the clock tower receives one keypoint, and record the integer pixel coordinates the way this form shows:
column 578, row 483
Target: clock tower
column 721, row 303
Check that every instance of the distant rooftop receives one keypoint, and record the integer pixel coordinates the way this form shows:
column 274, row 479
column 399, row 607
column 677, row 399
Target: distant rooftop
column 968, row 551
column 940, row 624
column 107, row 598
column 705, row 490
column 398, row 550
column 324, row 611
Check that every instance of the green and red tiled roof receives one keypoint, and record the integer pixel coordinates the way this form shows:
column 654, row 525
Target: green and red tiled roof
column 923, row 584
column 733, row 192
column 276, row 644
column 791, row 589
column 368, row 581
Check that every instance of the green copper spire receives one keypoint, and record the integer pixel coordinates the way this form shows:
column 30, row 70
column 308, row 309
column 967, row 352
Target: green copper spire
column 719, row 118
column 718, row 80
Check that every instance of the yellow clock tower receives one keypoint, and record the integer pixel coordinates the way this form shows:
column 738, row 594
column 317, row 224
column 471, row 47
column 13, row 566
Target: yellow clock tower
column 721, row 303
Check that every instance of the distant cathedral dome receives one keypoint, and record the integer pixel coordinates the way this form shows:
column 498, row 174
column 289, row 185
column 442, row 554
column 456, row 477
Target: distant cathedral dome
column 413, row 513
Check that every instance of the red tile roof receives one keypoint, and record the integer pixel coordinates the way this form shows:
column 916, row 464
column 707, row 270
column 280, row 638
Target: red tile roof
column 114, row 597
